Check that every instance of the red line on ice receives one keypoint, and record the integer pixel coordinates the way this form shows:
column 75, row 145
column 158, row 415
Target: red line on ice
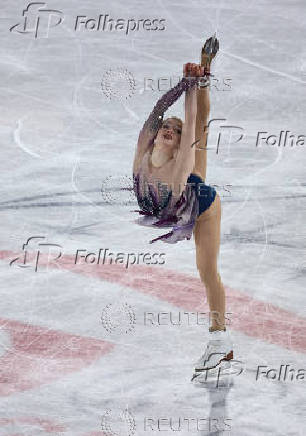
column 252, row 317
column 37, row 355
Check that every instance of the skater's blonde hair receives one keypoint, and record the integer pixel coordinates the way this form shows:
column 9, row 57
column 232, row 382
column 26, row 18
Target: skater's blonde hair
column 174, row 118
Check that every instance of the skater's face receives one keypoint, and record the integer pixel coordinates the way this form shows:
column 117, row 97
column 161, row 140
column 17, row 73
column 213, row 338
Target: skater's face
column 170, row 133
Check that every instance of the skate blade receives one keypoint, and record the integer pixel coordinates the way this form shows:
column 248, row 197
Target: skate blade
column 211, row 46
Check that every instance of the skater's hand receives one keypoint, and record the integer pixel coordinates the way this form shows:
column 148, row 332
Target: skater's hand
column 193, row 70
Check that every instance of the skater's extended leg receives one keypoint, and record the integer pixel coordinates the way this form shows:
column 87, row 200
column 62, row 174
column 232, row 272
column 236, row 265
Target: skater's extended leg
column 209, row 51
column 207, row 240
column 201, row 132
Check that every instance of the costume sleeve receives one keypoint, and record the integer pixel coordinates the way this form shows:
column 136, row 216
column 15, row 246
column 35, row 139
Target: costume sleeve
column 155, row 119
column 154, row 122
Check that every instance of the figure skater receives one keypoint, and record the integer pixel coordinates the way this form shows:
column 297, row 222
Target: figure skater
column 169, row 173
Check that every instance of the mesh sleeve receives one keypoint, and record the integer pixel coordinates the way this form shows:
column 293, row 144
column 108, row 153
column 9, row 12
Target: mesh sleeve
column 155, row 119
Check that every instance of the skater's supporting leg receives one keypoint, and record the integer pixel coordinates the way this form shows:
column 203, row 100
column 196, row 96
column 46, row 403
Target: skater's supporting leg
column 207, row 240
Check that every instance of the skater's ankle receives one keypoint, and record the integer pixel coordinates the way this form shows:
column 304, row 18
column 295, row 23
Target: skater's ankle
column 217, row 328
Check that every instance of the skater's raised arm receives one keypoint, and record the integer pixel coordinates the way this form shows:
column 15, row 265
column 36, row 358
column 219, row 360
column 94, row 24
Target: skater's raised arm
column 154, row 122
column 185, row 157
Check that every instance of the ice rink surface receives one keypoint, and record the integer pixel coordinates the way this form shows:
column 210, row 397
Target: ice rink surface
column 93, row 349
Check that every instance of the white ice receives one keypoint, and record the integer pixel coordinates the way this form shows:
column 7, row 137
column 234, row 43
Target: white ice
column 62, row 139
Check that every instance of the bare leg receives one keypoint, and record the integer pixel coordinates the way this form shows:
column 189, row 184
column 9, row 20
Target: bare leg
column 207, row 240
column 201, row 132
column 209, row 51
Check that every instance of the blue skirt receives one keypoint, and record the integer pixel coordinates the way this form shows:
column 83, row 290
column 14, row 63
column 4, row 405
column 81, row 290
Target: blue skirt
column 204, row 193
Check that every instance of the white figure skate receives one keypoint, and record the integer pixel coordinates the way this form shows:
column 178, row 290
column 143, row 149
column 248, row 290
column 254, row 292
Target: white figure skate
column 218, row 350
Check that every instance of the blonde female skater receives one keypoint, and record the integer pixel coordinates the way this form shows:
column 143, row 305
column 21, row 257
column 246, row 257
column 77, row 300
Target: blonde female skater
column 169, row 174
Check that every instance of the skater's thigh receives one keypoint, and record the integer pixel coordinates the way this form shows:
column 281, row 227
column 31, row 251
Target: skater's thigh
column 207, row 235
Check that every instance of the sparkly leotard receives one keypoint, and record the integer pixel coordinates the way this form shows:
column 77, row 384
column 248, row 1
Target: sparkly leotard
column 158, row 207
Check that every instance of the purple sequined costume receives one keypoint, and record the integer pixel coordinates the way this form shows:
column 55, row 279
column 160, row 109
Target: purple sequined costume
column 159, row 208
